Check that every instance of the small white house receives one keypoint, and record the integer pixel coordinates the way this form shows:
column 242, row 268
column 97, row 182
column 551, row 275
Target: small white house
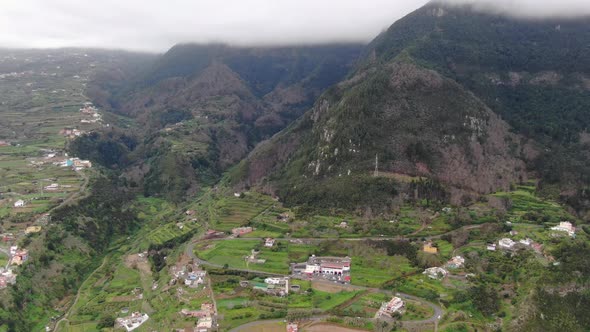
column 51, row 187
column 435, row 272
column 565, row 226
column 456, row 262
column 506, row 243
column 19, row 203
column 269, row 242
column 274, row 281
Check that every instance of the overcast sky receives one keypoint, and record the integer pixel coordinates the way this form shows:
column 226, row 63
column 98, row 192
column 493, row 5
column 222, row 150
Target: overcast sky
column 151, row 25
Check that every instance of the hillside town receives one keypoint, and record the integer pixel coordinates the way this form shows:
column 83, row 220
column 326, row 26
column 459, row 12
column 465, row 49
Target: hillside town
column 38, row 190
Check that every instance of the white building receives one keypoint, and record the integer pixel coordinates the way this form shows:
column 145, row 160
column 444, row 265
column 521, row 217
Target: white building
column 565, row 226
column 132, row 322
column 391, row 307
column 506, row 243
column 19, row 203
column 274, row 281
column 269, row 242
column 456, row 262
column 51, row 187
column 312, row 268
column 435, row 272
column 491, row 247
column 204, row 324
column 335, row 268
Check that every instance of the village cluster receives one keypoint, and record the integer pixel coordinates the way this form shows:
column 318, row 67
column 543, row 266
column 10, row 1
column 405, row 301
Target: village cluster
column 92, row 112
column 192, row 276
column 505, row 244
column 133, row 321
column 17, row 256
column 52, row 157
column 91, row 115
column 563, row 228
column 205, row 317
column 60, row 159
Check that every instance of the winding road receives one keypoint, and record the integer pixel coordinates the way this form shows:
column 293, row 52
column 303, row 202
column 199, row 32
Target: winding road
column 437, row 310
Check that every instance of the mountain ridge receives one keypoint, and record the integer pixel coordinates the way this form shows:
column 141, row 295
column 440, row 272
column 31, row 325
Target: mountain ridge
column 485, row 58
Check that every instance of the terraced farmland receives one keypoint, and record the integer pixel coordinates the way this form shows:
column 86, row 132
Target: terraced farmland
column 233, row 211
column 170, row 232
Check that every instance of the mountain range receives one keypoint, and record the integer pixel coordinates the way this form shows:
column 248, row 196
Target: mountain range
column 470, row 100
column 202, row 108
column 448, row 98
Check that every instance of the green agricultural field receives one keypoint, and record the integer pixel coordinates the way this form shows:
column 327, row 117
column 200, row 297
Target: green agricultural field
column 328, row 301
column 82, row 327
column 424, row 287
column 301, row 252
column 239, row 305
column 262, row 234
column 416, row 311
column 445, row 249
column 376, row 270
column 230, row 212
column 366, row 305
column 527, row 207
column 234, row 252
column 230, row 252
column 171, row 231
column 3, row 259
column 319, row 226
column 118, row 284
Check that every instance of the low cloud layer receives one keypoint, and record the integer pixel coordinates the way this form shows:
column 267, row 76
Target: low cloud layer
column 530, row 8
column 155, row 25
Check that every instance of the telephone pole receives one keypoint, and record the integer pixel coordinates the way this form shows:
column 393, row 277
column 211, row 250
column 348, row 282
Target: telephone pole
column 376, row 173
